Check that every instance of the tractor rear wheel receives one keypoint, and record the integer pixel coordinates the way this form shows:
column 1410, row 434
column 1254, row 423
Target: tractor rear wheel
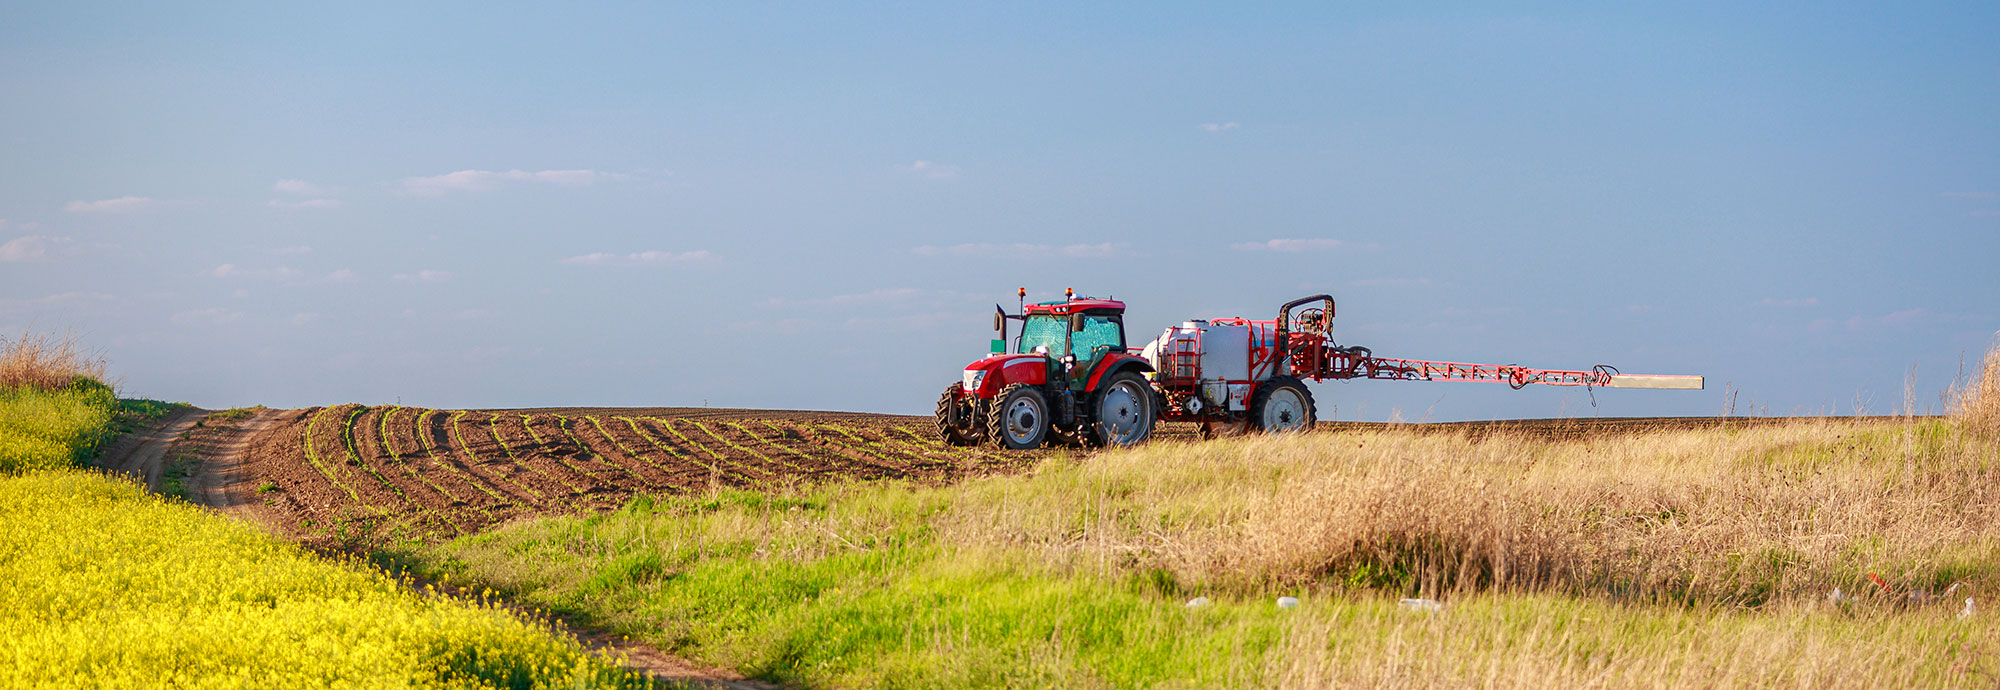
column 1283, row 405
column 1019, row 418
column 1122, row 412
column 958, row 417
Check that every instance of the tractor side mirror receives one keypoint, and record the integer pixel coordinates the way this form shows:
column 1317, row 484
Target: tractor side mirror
column 1076, row 323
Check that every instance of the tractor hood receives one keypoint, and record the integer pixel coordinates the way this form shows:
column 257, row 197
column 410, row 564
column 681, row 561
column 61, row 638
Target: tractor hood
column 985, row 377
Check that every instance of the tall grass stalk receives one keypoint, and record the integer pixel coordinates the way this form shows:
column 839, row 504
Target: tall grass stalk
column 46, row 362
column 1976, row 404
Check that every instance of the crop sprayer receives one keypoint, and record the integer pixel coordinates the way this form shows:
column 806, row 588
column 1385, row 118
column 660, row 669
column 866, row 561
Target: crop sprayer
column 1069, row 375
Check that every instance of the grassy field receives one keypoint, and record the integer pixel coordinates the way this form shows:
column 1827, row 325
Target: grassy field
column 1689, row 558
column 105, row 585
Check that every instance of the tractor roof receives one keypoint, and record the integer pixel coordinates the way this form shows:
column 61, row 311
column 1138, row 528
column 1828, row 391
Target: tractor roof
column 1090, row 306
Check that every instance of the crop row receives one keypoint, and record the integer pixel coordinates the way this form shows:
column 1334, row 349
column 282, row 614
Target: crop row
column 445, row 472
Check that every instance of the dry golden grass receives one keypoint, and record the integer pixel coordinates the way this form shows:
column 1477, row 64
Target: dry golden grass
column 1740, row 516
column 45, row 362
column 1529, row 641
column 1977, row 405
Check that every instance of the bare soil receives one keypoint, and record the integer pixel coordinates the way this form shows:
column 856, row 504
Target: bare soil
column 352, row 473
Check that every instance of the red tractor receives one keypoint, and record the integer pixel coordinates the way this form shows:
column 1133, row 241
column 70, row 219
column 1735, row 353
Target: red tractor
column 1069, row 375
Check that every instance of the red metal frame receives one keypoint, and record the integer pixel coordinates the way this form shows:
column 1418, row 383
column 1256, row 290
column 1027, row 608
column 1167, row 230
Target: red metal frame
column 1075, row 305
column 1320, row 361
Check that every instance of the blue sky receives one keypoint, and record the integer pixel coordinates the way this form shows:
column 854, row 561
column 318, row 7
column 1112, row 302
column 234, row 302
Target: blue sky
column 815, row 206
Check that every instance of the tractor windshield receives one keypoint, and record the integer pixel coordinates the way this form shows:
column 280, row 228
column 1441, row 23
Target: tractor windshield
column 1048, row 331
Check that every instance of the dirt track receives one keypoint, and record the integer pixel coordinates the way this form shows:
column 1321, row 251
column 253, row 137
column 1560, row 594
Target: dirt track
column 142, row 454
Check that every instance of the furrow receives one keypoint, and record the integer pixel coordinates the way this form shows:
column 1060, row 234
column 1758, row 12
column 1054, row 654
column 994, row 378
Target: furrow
column 427, row 439
column 634, row 453
column 549, row 450
column 366, row 451
column 568, row 428
column 668, row 426
column 493, row 429
column 399, row 459
column 459, row 444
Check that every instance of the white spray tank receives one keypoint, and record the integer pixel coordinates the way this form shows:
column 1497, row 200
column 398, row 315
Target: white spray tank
column 1214, row 356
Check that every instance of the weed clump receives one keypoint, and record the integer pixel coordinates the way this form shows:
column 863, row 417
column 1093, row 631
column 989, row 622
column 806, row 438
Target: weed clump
column 1977, row 406
column 46, row 362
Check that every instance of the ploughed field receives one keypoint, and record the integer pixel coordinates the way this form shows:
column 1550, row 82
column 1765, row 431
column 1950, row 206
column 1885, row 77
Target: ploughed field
column 352, row 471
column 356, row 472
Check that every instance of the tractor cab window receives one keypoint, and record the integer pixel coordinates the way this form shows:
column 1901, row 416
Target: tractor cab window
column 1042, row 330
column 1100, row 334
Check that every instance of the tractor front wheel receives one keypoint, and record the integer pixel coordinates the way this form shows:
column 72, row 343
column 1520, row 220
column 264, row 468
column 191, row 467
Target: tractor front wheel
column 1019, row 418
column 958, row 417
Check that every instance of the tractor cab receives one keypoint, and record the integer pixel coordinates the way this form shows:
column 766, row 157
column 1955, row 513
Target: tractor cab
column 1075, row 334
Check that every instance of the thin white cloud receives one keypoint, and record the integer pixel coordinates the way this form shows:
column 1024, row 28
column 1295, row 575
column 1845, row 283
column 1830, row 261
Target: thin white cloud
column 880, row 296
column 424, row 276
column 1970, row 196
column 306, row 318
column 212, row 316
column 343, row 275
column 123, row 204
column 1795, row 302
column 308, row 203
column 67, row 300
column 30, row 248
column 274, row 273
column 488, row 180
column 645, row 258
column 1220, row 126
column 1391, row 282
column 1289, row 245
column 293, row 251
column 300, row 188
column 1084, row 251
column 1023, row 249
column 932, row 170
column 1901, row 319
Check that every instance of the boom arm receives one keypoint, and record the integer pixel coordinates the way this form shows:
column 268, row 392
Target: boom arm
column 1322, row 360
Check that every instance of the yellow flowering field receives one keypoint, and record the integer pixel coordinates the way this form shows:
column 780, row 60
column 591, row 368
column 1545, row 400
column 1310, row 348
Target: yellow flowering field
column 105, row 585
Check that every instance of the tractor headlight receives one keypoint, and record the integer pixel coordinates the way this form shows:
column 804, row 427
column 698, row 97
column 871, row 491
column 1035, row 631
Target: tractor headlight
column 974, row 377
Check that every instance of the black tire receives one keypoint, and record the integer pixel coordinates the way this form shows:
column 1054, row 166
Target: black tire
column 1122, row 411
column 1018, row 419
column 958, row 422
column 1283, row 405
